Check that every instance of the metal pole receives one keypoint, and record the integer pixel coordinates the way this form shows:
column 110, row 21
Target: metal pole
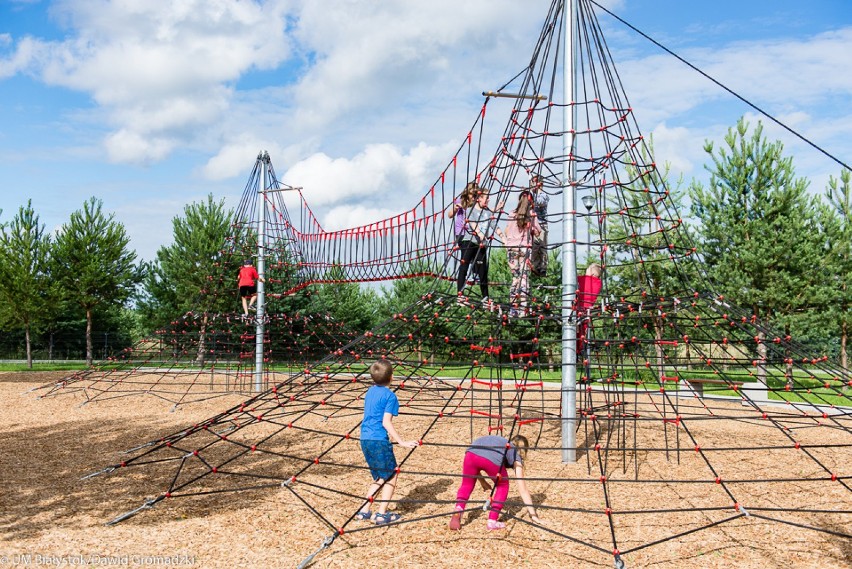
column 261, row 270
column 569, row 247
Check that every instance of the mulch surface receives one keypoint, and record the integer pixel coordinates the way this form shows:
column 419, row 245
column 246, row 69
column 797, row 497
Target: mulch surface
column 48, row 512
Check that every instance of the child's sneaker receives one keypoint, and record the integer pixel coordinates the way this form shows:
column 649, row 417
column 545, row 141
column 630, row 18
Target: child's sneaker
column 455, row 520
column 364, row 516
column 493, row 525
column 386, row 518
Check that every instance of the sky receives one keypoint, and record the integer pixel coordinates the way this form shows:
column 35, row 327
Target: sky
column 150, row 106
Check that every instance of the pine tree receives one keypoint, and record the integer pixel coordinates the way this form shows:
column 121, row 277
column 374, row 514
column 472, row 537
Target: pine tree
column 417, row 289
column 93, row 264
column 405, row 292
column 193, row 274
column 24, row 279
column 839, row 194
column 761, row 233
column 345, row 302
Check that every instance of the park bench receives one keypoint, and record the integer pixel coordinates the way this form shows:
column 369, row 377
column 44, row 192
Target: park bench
column 698, row 383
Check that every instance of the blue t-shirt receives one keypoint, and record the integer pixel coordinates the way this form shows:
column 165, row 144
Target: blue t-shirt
column 378, row 401
column 493, row 448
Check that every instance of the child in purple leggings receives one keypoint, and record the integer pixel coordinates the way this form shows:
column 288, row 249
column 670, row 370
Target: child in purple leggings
column 492, row 455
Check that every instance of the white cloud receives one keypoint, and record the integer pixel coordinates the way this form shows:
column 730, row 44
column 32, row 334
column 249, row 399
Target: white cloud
column 161, row 72
column 380, row 170
column 805, row 83
column 127, row 145
column 830, row 134
column 21, row 57
column 775, row 75
column 344, row 217
column 676, row 147
column 403, row 53
column 165, row 74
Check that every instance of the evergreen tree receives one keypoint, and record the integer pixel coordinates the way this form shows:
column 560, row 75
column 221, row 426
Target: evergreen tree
column 839, row 195
column 405, row 292
column 757, row 226
column 645, row 248
column 761, row 235
column 345, row 302
column 24, row 279
column 192, row 274
column 93, row 264
column 417, row 289
column 283, row 279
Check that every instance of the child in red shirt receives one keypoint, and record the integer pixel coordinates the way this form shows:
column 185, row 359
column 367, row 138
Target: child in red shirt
column 248, row 288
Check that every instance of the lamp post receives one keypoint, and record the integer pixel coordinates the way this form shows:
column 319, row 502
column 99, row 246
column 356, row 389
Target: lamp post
column 589, row 203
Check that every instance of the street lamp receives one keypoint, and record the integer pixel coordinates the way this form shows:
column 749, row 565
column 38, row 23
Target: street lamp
column 589, row 203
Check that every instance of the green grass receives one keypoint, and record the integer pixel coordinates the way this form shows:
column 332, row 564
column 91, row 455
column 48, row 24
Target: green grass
column 809, row 388
column 52, row 366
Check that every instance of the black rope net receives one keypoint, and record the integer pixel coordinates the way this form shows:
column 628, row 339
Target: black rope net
column 670, row 375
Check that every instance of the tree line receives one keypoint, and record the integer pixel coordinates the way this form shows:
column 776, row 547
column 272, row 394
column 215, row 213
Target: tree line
column 764, row 239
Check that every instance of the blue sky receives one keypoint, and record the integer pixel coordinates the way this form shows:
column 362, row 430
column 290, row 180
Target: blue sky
column 150, row 106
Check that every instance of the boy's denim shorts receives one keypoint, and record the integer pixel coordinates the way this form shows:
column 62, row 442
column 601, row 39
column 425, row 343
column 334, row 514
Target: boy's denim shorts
column 380, row 459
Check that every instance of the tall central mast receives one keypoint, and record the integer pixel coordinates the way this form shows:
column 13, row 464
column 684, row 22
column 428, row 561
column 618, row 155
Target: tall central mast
column 261, row 270
column 569, row 246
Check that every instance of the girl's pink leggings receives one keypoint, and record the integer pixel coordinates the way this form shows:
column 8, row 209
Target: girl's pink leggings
column 473, row 466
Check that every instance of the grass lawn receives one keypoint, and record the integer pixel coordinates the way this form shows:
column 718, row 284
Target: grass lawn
column 44, row 366
column 814, row 387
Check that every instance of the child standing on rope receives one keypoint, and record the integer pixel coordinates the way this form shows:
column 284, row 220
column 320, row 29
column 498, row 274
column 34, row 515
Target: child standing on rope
column 457, row 211
column 248, row 287
column 380, row 407
column 492, row 455
column 521, row 229
column 539, row 245
column 473, row 245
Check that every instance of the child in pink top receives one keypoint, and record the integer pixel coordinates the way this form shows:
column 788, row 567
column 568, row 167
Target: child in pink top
column 518, row 238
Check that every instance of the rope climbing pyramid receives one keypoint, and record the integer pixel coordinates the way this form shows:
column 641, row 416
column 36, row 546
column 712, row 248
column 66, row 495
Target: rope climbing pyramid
column 706, row 460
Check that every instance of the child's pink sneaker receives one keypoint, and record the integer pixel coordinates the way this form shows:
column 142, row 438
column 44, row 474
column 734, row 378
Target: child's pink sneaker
column 455, row 520
column 495, row 525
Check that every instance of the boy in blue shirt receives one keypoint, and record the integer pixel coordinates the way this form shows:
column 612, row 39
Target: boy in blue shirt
column 380, row 407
